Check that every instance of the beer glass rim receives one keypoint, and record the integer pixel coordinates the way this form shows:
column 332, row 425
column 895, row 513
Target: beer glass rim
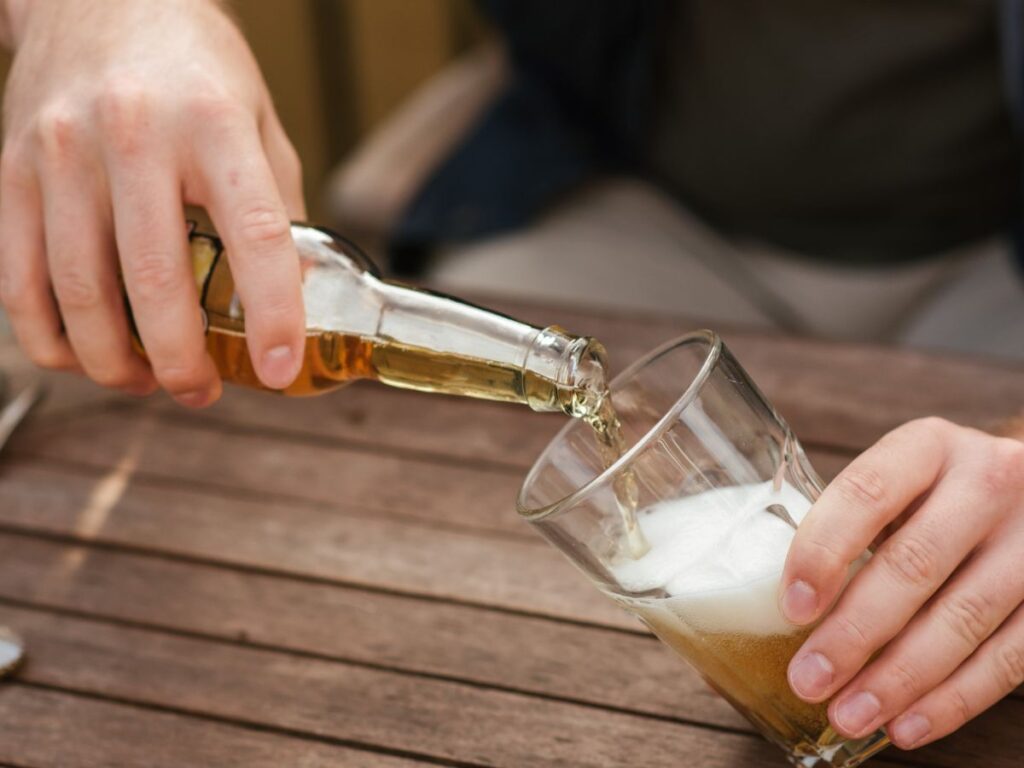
column 713, row 343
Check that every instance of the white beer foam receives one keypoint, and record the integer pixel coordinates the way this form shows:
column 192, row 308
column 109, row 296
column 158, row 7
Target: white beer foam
column 719, row 555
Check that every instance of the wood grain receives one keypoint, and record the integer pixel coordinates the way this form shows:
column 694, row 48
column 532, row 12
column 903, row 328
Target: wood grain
column 258, row 465
column 487, row 647
column 324, row 700
column 523, row 575
column 50, row 729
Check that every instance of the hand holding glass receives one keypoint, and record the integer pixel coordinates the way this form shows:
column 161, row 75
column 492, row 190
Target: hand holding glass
column 722, row 483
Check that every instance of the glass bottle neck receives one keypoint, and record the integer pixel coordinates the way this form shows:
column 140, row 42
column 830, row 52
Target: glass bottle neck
column 552, row 369
column 578, row 364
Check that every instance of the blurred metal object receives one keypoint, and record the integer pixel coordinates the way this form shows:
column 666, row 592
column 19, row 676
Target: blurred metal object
column 12, row 647
column 15, row 411
column 12, row 651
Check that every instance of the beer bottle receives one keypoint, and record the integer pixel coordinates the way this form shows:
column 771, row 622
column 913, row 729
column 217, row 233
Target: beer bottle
column 359, row 326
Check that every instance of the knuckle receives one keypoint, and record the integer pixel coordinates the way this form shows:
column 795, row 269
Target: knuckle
column 910, row 559
column 113, row 374
column 907, row 678
column 181, row 378
column 123, row 106
column 154, row 275
column 264, row 227
column 961, row 708
column 1004, row 469
column 211, row 106
column 1009, row 664
column 968, row 614
column 275, row 314
column 928, row 434
column 821, row 555
column 931, row 426
column 862, row 487
column 76, row 290
column 852, row 633
column 48, row 354
column 59, row 130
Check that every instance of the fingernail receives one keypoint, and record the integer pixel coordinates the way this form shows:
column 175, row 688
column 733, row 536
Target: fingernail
column 811, row 675
column 910, row 730
column 196, row 399
column 855, row 713
column 279, row 367
column 799, row 602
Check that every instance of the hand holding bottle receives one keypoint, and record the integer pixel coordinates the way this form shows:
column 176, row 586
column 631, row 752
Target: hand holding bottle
column 117, row 114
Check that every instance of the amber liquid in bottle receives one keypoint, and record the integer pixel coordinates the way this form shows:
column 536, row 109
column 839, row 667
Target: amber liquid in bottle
column 332, row 359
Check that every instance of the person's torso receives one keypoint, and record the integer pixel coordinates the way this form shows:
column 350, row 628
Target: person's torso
column 863, row 130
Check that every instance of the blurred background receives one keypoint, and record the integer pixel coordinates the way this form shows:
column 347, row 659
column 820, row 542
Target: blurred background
column 881, row 132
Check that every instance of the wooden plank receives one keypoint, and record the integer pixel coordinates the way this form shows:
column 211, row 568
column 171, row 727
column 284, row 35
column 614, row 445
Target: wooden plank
column 547, row 658
column 325, row 699
column 518, row 572
column 475, row 497
column 312, row 541
column 49, row 729
column 372, row 415
column 486, row 648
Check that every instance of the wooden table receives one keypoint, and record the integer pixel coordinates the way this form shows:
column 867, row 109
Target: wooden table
column 343, row 581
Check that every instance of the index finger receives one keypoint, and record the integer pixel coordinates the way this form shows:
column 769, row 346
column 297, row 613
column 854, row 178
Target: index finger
column 244, row 202
column 865, row 497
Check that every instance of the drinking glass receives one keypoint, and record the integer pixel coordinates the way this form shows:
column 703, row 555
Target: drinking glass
column 721, row 484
